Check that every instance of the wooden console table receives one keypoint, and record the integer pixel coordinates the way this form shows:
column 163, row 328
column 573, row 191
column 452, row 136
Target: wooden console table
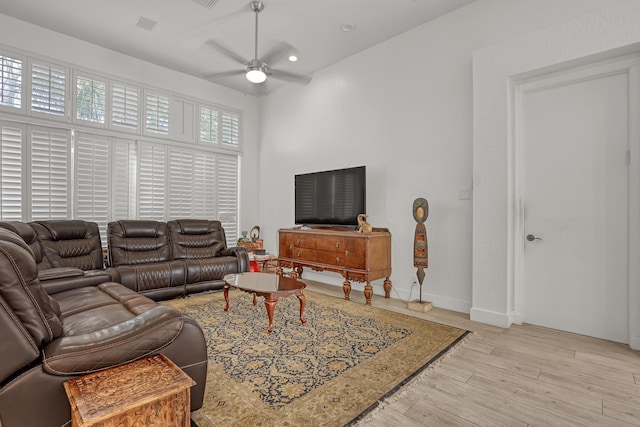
column 148, row 392
column 359, row 257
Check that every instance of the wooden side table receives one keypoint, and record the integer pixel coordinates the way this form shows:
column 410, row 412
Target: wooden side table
column 152, row 392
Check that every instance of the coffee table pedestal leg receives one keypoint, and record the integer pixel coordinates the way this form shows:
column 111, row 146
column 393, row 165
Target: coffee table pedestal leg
column 225, row 291
column 270, row 303
column 303, row 301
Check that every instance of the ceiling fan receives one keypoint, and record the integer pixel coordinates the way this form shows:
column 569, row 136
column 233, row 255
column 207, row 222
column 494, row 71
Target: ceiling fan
column 257, row 69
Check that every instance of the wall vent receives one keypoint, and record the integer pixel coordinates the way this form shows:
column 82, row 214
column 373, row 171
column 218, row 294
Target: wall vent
column 206, row 3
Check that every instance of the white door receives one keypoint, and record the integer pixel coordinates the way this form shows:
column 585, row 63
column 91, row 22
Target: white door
column 574, row 170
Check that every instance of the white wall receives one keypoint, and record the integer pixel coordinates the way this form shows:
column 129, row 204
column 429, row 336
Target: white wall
column 58, row 47
column 603, row 33
column 403, row 108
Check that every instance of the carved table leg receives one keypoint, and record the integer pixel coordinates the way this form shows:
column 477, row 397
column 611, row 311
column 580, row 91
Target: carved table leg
column 270, row 303
column 226, row 297
column 346, row 288
column 299, row 269
column 303, row 301
column 387, row 288
column 255, row 299
column 368, row 293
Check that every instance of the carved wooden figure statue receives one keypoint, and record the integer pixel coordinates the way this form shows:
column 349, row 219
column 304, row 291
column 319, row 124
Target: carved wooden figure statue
column 420, row 245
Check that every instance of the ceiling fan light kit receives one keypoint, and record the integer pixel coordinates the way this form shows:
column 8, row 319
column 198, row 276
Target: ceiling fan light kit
column 257, row 69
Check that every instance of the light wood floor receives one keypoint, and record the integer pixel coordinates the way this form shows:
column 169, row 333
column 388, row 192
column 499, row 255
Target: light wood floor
column 522, row 376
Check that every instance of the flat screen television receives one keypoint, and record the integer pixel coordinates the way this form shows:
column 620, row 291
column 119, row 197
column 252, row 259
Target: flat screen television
column 334, row 197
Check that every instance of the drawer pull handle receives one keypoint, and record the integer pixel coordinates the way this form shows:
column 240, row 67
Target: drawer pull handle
column 298, row 242
column 337, row 244
column 298, row 254
column 346, row 253
column 291, row 248
column 337, row 259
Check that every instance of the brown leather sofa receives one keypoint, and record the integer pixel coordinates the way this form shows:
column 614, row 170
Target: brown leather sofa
column 48, row 339
column 167, row 260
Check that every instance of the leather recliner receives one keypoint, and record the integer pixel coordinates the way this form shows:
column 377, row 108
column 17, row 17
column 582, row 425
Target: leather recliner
column 48, row 339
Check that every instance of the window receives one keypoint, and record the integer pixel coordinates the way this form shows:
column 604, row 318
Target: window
column 227, row 180
column 11, row 178
column 152, row 160
column 49, row 168
column 123, row 179
column 90, row 99
column 10, row 82
column 192, row 184
column 157, row 113
column 48, row 89
column 124, row 106
column 91, row 202
column 208, row 125
column 231, row 129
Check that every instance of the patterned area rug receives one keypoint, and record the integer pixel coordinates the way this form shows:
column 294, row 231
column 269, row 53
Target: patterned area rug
column 329, row 372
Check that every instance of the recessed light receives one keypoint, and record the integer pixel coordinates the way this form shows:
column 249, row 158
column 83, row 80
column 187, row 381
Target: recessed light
column 347, row 27
column 293, row 58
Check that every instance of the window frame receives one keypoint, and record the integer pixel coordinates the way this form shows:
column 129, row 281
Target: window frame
column 66, row 116
column 152, row 132
column 139, row 107
column 107, row 101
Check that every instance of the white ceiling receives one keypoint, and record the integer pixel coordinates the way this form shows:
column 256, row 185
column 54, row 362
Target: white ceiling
column 182, row 37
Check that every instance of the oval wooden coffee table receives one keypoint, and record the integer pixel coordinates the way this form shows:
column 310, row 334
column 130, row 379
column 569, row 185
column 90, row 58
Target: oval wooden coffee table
column 269, row 286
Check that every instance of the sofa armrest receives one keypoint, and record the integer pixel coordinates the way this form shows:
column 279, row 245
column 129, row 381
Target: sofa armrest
column 240, row 253
column 120, row 343
column 59, row 273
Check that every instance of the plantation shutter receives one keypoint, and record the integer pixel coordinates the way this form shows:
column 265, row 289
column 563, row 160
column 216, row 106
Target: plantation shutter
column 204, row 186
column 157, row 113
column 90, row 99
column 11, row 174
column 181, row 183
column 151, row 186
column 231, row 129
column 48, row 89
column 123, row 179
column 228, row 196
column 10, row 82
column 92, row 180
column 124, row 106
column 49, row 167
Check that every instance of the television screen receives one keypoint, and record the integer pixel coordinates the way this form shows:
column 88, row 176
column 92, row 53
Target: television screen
column 333, row 197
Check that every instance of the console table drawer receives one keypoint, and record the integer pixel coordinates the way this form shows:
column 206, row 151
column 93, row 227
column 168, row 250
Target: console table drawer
column 335, row 244
column 321, row 257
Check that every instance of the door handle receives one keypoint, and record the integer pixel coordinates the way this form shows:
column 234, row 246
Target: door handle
column 531, row 237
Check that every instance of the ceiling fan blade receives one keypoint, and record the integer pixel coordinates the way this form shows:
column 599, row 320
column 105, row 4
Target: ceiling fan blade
column 216, row 76
column 277, row 54
column 227, row 52
column 288, row 76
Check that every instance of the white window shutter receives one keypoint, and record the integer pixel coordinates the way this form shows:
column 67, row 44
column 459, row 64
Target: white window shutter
column 123, row 179
column 152, row 164
column 49, row 168
column 181, row 183
column 11, row 177
column 204, row 186
column 48, row 89
column 231, row 129
column 10, row 82
column 228, row 196
column 92, row 180
column 156, row 114
column 124, row 106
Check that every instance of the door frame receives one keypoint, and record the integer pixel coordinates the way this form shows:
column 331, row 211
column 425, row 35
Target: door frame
column 518, row 87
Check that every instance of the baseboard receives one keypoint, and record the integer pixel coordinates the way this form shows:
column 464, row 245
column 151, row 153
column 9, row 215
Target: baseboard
column 501, row 320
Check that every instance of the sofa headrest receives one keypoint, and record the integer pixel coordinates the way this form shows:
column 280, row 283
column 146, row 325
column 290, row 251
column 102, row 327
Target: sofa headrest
column 196, row 238
column 22, row 291
column 194, row 226
column 70, row 243
column 137, row 242
column 29, row 235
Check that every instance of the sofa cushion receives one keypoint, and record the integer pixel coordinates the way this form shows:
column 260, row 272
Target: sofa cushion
column 70, row 243
column 30, row 237
column 109, row 333
column 137, row 242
